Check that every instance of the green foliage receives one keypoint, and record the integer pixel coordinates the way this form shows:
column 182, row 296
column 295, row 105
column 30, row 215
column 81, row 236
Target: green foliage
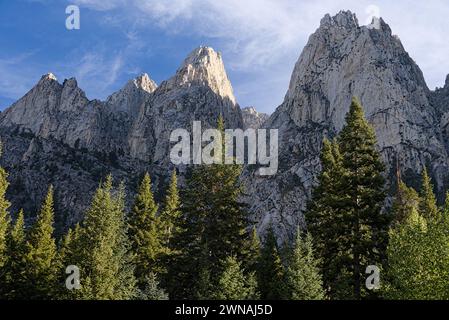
column 428, row 204
column 4, row 216
column 270, row 271
column 252, row 251
column 406, row 200
column 151, row 289
column 144, row 232
column 212, row 226
column 418, row 258
column 41, row 256
column 105, row 262
column 233, row 284
column 345, row 216
column 13, row 277
column 303, row 279
column 171, row 211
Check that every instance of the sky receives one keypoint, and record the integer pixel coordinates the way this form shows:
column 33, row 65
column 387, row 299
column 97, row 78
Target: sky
column 260, row 41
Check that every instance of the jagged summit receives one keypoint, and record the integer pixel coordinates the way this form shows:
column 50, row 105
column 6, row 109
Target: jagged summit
column 144, row 82
column 49, row 76
column 204, row 66
column 345, row 19
column 252, row 118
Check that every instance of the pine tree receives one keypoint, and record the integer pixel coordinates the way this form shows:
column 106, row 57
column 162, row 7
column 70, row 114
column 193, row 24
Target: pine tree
column 233, row 284
column 270, row 271
column 345, row 216
column 428, row 205
column 41, row 260
column 105, row 263
column 252, row 252
column 326, row 222
column 213, row 219
column 364, row 186
column 13, row 281
column 4, row 216
column 407, row 200
column 144, row 232
column 171, row 211
column 70, row 254
column 151, row 290
column 303, row 280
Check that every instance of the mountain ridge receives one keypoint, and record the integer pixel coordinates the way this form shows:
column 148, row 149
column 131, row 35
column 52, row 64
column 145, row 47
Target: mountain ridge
column 54, row 126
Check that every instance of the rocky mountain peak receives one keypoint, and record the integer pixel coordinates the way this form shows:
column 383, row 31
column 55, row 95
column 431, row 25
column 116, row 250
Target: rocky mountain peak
column 344, row 19
column 144, row 82
column 252, row 118
column 204, row 66
column 49, row 76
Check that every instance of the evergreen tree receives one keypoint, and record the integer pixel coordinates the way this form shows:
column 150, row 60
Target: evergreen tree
column 213, row 221
column 105, row 262
column 4, row 216
column 303, row 280
column 13, row 281
column 41, row 260
column 326, row 221
column 407, row 200
column 171, row 211
column 144, row 232
column 270, row 271
column 428, row 205
column 233, row 284
column 345, row 216
column 70, row 254
column 151, row 290
column 252, row 252
column 365, row 195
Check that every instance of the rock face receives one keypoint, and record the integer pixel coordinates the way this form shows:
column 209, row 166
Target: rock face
column 55, row 135
column 253, row 119
column 341, row 60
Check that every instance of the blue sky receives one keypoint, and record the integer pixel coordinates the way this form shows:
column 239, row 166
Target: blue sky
column 260, row 40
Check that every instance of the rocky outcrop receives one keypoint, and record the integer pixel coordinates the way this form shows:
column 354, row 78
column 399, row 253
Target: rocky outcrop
column 341, row 60
column 253, row 119
column 55, row 135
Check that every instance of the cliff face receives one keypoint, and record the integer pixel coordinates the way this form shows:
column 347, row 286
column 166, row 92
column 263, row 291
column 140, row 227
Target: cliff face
column 54, row 134
column 341, row 60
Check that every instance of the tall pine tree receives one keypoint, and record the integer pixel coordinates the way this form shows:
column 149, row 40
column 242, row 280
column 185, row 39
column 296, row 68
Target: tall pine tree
column 212, row 226
column 234, row 284
column 41, row 254
column 171, row 211
column 4, row 216
column 346, row 211
column 144, row 232
column 13, row 286
column 303, row 279
column 270, row 271
column 428, row 204
column 326, row 222
column 105, row 261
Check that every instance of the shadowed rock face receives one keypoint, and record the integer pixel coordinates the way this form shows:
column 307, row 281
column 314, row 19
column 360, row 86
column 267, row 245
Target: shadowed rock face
column 341, row 60
column 54, row 134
